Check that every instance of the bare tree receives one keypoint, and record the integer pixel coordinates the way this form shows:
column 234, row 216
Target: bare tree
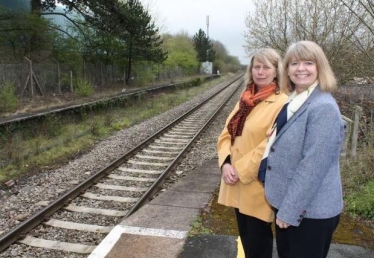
column 363, row 10
column 277, row 23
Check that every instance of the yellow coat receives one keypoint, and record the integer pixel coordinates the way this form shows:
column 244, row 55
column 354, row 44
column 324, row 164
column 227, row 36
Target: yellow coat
column 246, row 153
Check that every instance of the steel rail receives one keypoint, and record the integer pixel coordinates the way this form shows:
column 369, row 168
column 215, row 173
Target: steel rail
column 153, row 188
column 36, row 219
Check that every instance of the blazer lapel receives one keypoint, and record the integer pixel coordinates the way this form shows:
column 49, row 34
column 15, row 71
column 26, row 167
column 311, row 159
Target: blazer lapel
column 299, row 112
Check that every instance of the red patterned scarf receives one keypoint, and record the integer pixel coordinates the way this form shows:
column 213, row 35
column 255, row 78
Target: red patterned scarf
column 248, row 101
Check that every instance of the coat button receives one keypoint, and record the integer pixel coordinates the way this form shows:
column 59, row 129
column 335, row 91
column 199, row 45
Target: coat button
column 272, row 149
column 268, row 167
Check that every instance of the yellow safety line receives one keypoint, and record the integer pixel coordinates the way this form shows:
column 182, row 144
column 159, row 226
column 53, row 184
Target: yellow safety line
column 240, row 248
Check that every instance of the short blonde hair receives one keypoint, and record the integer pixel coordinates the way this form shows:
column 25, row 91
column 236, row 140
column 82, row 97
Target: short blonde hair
column 308, row 51
column 266, row 56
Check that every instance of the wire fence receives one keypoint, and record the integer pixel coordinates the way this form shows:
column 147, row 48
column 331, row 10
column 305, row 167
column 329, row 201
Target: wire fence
column 56, row 78
column 356, row 101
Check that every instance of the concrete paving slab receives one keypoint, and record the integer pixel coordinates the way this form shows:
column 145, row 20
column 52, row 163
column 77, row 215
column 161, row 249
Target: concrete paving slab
column 194, row 200
column 209, row 246
column 197, row 182
column 222, row 246
column 208, row 167
column 135, row 246
column 349, row 251
column 166, row 217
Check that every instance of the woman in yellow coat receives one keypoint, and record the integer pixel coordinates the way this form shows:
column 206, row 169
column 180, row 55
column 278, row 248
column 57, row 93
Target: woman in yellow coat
column 241, row 146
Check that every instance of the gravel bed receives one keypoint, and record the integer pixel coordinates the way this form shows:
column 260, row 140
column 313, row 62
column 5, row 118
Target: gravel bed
column 126, row 183
column 86, row 218
column 109, row 192
column 21, row 201
column 102, row 204
column 139, row 175
column 18, row 253
column 61, row 234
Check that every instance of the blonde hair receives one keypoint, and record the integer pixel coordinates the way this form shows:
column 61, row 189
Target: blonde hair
column 266, row 56
column 308, row 51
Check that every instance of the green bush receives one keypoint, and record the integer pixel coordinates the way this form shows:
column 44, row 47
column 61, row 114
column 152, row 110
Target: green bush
column 65, row 81
column 9, row 101
column 196, row 82
column 362, row 202
column 125, row 122
column 50, row 127
column 83, row 88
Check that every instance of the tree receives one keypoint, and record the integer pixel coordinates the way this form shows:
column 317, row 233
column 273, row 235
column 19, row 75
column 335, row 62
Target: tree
column 327, row 22
column 25, row 35
column 101, row 14
column 141, row 36
column 125, row 25
column 181, row 53
column 223, row 61
column 363, row 10
column 105, row 15
column 203, row 47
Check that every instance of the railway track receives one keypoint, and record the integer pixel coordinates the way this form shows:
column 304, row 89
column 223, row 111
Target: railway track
column 22, row 126
column 78, row 220
column 74, row 109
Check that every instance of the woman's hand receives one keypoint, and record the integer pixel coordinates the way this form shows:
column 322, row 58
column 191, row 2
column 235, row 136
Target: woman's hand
column 229, row 174
column 281, row 223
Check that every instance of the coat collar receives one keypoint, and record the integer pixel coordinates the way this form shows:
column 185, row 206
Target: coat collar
column 316, row 92
column 273, row 97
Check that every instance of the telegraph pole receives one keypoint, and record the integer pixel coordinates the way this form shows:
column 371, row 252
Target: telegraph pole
column 207, row 26
column 207, row 36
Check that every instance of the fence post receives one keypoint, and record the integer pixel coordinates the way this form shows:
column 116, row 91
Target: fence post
column 58, row 76
column 32, row 78
column 347, row 134
column 101, row 75
column 357, row 112
column 124, row 77
column 71, row 81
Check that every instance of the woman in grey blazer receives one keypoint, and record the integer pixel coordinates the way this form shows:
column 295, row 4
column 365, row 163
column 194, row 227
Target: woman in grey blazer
column 302, row 174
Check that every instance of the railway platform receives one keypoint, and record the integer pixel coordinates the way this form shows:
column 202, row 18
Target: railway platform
column 160, row 228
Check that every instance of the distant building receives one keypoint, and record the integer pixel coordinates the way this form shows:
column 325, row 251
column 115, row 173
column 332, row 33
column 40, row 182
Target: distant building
column 16, row 5
column 206, row 67
column 24, row 6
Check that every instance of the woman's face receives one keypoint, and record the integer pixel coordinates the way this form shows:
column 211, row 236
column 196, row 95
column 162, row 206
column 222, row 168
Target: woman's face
column 302, row 74
column 263, row 73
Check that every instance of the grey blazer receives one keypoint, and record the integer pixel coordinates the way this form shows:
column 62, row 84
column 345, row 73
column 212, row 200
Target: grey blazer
column 303, row 174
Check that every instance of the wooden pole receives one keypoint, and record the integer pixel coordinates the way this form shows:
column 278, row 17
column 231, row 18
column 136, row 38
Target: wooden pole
column 31, row 78
column 356, row 121
column 71, row 81
column 58, row 77
column 347, row 134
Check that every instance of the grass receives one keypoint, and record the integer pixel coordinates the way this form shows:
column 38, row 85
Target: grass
column 362, row 201
column 9, row 101
column 358, row 180
column 197, row 228
column 55, row 141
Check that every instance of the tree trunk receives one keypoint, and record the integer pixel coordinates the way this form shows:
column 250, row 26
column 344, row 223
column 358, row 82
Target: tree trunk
column 129, row 60
column 36, row 6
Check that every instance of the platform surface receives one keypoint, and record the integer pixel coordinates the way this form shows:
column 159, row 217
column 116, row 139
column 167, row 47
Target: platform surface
column 160, row 228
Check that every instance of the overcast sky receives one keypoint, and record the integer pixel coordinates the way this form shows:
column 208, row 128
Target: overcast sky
column 226, row 20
